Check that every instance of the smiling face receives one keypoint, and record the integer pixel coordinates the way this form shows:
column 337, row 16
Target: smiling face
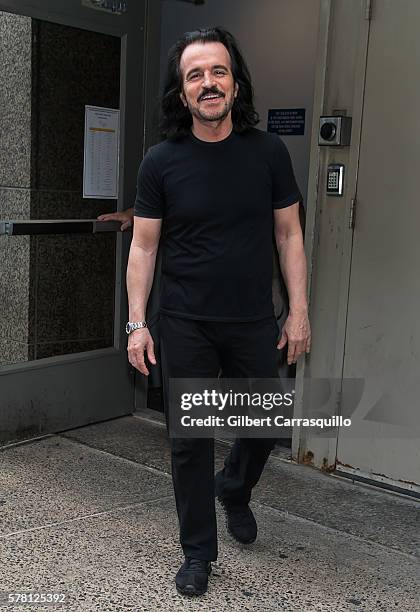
column 208, row 86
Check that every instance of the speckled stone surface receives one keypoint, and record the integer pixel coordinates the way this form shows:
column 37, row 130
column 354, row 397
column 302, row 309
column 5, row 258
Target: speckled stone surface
column 17, row 203
column 15, row 181
column 15, row 279
column 103, row 530
column 137, row 439
column 56, row 479
column 14, row 352
column 70, row 205
column 380, row 517
column 75, row 290
column 49, row 293
column 75, row 274
column 71, row 74
column 365, row 512
column 16, row 282
column 15, row 100
column 15, row 286
column 56, row 300
column 57, row 291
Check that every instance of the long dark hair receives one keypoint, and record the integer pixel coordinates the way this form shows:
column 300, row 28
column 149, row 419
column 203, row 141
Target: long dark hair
column 176, row 120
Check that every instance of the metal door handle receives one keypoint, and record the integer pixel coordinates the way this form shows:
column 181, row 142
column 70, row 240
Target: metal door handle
column 57, row 226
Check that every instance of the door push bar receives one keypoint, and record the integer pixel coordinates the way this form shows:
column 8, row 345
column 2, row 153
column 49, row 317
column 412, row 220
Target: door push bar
column 57, row 226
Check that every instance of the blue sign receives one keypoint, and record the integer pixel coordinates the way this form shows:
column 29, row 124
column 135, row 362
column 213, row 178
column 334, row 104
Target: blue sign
column 286, row 121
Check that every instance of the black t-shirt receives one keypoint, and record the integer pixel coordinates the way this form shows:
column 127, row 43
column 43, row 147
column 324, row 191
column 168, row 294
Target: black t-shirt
column 216, row 200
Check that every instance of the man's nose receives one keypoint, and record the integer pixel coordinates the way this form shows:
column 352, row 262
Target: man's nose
column 208, row 79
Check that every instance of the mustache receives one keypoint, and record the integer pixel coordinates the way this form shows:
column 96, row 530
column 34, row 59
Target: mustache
column 212, row 90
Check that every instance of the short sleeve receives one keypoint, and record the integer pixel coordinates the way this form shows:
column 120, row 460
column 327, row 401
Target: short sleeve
column 285, row 190
column 149, row 198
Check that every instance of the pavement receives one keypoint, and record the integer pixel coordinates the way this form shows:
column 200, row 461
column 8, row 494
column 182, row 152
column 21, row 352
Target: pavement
column 90, row 514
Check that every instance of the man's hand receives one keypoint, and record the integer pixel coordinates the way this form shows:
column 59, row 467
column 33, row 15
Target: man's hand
column 125, row 216
column 296, row 333
column 139, row 342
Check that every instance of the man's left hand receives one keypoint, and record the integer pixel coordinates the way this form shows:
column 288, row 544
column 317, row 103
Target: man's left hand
column 296, row 333
column 125, row 216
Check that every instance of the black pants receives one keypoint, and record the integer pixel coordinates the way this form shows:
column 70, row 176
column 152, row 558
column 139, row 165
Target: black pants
column 200, row 349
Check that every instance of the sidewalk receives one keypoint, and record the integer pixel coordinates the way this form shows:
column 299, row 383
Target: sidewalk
column 91, row 513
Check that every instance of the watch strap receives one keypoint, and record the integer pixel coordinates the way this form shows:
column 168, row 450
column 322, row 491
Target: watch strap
column 132, row 326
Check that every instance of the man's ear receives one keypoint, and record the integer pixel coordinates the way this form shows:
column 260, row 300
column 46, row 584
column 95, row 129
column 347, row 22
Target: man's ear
column 235, row 91
column 183, row 100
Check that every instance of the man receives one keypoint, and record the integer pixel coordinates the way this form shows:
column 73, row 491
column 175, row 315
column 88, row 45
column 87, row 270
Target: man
column 215, row 189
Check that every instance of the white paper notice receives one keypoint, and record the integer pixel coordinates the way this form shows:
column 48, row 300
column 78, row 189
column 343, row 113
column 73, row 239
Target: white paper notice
column 100, row 166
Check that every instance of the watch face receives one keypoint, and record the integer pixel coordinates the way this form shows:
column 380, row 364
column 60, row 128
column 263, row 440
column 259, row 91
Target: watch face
column 128, row 328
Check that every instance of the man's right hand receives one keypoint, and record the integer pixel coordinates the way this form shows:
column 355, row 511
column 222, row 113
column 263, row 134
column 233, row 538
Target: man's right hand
column 139, row 342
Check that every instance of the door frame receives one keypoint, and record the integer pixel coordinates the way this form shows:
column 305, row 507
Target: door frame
column 33, row 404
column 339, row 86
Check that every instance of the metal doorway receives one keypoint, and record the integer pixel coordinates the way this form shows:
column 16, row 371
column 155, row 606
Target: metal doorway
column 383, row 332
column 63, row 361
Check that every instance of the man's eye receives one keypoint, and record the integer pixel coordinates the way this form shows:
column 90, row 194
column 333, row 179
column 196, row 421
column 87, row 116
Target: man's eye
column 193, row 76
column 220, row 72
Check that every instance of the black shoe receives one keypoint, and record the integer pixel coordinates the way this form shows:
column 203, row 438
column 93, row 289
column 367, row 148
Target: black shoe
column 192, row 577
column 240, row 522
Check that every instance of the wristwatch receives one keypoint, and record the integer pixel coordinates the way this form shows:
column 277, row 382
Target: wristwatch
column 130, row 327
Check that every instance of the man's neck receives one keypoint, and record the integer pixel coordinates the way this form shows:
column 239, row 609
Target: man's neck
column 212, row 131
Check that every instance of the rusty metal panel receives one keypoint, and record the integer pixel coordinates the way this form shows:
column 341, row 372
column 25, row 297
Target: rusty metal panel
column 364, row 284
column 339, row 87
column 383, row 330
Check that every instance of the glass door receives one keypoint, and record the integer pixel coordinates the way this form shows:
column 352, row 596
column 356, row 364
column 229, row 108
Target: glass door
column 63, row 359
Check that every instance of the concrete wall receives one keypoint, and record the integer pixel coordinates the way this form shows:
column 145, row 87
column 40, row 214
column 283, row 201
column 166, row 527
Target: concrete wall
column 278, row 39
